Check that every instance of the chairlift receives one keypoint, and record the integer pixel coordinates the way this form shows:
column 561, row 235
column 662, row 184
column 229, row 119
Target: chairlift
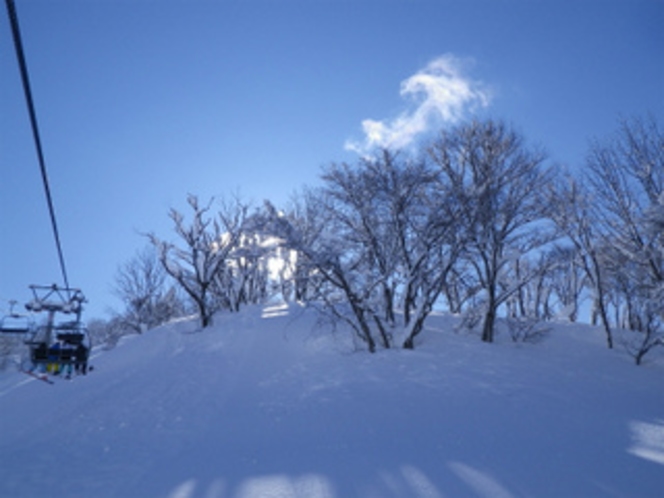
column 70, row 345
column 16, row 323
column 63, row 342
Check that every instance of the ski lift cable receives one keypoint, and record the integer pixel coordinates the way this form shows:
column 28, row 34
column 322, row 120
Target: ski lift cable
column 20, row 55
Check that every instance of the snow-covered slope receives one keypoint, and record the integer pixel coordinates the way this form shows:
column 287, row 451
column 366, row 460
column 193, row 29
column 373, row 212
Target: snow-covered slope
column 264, row 405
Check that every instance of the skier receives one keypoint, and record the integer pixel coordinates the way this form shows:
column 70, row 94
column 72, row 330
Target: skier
column 81, row 359
column 39, row 354
column 54, row 359
column 67, row 358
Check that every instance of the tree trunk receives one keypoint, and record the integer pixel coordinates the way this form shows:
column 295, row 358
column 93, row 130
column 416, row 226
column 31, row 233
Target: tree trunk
column 409, row 343
column 388, row 296
column 600, row 302
column 383, row 333
column 365, row 334
column 489, row 324
column 490, row 316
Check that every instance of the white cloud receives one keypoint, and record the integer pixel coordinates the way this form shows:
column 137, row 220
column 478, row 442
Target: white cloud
column 440, row 92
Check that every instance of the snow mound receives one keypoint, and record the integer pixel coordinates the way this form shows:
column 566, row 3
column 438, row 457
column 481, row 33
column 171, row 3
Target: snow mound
column 268, row 403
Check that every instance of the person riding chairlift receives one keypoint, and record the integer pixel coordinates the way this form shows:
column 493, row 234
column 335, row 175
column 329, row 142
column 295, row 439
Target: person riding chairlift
column 67, row 358
column 39, row 354
column 81, row 359
column 53, row 365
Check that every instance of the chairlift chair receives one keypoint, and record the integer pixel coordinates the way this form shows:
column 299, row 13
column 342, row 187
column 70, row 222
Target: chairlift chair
column 67, row 349
column 55, row 342
column 16, row 323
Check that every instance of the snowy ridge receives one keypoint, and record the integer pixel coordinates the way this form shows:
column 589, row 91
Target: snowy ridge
column 266, row 405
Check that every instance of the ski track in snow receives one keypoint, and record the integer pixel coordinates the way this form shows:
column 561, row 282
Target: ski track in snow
column 266, row 404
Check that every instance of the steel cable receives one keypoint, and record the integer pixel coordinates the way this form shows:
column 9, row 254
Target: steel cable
column 13, row 19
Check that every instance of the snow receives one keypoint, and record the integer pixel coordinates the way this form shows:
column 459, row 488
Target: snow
column 269, row 404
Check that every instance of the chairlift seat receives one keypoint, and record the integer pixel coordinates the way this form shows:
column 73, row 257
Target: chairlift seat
column 14, row 329
column 15, row 323
column 73, row 338
column 64, row 356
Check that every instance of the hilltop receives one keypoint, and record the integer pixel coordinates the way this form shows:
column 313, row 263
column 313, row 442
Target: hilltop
column 269, row 403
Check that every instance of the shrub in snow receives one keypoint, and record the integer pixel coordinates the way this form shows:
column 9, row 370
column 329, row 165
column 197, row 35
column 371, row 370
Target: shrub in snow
column 525, row 329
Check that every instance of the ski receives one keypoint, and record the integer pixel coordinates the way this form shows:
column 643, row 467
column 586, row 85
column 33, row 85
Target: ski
column 43, row 377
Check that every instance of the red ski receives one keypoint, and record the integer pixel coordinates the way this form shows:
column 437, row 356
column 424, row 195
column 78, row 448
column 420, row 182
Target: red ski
column 42, row 377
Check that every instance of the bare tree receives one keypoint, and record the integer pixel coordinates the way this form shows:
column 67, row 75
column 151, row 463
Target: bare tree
column 208, row 243
column 567, row 280
column 576, row 218
column 331, row 259
column 498, row 181
column 626, row 177
column 363, row 221
column 408, row 232
column 461, row 287
column 141, row 285
column 299, row 275
column 107, row 332
column 242, row 275
column 429, row 228
column 386, row 238
column 532, row 298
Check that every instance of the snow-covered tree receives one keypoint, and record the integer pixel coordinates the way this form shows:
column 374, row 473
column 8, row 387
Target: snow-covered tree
column 338, row 263
column 654, row 222
column 386, row 236
column 107, row 333
column 566, row 280
column 243, row 276
column 148, row 299
column 533, row 297
column 498, row 183
column 626, row 178
column 208, row 242
column 298, row 277
column 576, row 217
column 428, row 227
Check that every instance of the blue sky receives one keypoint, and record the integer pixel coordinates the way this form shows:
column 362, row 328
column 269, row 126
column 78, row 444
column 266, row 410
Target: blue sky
column 141, row 102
